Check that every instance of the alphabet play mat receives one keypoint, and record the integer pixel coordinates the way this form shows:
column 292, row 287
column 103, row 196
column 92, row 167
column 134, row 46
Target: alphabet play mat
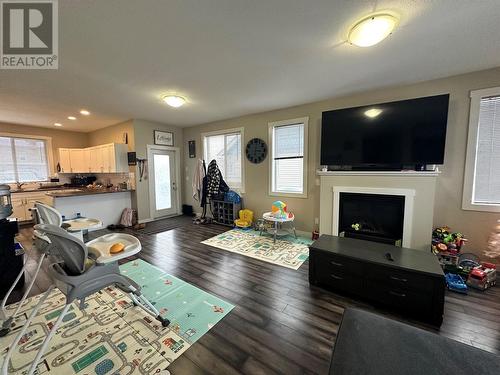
column 111, row 335
column 286, row 252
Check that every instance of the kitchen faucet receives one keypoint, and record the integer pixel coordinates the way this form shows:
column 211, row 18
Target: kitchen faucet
column 20, row 185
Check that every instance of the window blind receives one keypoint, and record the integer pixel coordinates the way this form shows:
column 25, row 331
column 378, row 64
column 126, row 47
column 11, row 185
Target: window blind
column 23, row 160
column 226, row 150
column 487, row 166
column 288, row 158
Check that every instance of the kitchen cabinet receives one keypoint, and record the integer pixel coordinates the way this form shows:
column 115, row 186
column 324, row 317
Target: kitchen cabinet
column 22, row 203
column 64, row 160
column 108, row 158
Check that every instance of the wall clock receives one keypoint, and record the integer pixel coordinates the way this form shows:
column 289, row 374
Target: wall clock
column 256, row 150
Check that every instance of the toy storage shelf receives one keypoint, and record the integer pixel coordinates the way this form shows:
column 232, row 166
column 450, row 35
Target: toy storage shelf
column 225, row 212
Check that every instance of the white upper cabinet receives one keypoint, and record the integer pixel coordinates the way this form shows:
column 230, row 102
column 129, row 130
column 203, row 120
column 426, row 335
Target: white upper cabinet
column 108, row 158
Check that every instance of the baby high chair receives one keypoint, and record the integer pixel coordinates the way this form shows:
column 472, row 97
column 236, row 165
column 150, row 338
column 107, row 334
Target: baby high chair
column 79, row 270
column 44, row 214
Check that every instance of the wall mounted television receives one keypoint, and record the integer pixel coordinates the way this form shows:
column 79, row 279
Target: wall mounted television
column 386, row 136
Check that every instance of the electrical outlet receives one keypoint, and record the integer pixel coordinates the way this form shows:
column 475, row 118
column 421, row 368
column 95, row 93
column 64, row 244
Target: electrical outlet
column 316, row 220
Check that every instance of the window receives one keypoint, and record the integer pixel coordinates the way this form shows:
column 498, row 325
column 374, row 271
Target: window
column 225, row 148
column 23, row 159
column 288, row 140
column 482, row 170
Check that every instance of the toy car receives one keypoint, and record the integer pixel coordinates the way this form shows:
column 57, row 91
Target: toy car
column 483, row 277
column 455, row 283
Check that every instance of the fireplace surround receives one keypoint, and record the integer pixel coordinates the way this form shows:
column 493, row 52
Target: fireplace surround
column 417, row 188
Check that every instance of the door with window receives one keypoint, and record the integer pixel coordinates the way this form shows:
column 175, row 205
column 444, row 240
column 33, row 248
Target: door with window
column 162, row 182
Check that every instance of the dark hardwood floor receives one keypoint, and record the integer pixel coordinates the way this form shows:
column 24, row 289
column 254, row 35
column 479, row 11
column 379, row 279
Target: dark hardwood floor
column 280, row 324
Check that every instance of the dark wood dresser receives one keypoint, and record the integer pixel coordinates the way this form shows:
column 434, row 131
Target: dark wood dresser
column 412, row 283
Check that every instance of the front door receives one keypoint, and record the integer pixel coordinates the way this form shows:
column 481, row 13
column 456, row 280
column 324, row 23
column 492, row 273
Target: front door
column 163, row 184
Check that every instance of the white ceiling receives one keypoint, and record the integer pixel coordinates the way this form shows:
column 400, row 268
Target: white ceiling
column 235, row 57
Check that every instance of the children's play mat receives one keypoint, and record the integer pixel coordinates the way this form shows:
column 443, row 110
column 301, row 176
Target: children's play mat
column 111, row 335
column 286, row 252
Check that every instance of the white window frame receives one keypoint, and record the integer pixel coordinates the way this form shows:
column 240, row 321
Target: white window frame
column 271, row 126
column 470, row 162
column 48, row 149
column 240, row 131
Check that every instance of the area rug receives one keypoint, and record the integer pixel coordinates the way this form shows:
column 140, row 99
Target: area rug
column 111, row 335
column 286, row 252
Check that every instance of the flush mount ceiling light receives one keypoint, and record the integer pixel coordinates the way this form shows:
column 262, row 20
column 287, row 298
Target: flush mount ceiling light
column 84, row 112
column 73, row 118
column 57, row 124
column 373, row 112
column 372, row 29
column 175, row 101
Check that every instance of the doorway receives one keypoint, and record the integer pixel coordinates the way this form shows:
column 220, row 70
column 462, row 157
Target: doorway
column 163, row 170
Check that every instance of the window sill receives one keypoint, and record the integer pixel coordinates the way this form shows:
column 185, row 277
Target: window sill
column 481, row 207
column 289, row 195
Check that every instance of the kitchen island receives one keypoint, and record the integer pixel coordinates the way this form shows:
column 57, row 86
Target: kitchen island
column 104, row 204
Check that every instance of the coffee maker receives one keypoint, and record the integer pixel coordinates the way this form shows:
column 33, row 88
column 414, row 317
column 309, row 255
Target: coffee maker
column 11, row 261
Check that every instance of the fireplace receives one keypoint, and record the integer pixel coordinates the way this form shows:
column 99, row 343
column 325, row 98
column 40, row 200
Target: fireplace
column 372, row 217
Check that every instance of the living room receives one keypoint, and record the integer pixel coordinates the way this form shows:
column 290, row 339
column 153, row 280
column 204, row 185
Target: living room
column 227, row 188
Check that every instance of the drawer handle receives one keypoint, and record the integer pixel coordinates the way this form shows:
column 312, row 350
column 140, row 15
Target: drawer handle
column 336, row 277
column 397, row 294
column 333, row 263
column 403, row 280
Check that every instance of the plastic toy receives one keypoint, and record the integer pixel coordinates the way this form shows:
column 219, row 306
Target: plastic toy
column 455, row 283
column 483, row 277
column 245, row 220
column 468, row 261
column 445, row 240
column 279, row 211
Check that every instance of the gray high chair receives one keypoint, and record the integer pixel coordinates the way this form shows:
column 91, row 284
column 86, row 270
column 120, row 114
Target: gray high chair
column 79, row 270
column 44, row 214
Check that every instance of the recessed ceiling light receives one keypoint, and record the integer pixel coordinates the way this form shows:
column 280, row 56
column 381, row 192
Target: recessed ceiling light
column 57, row 124
column 372, row 30
column 373, row 112
column 84, row 112
column 175, row 101
column 71, row 118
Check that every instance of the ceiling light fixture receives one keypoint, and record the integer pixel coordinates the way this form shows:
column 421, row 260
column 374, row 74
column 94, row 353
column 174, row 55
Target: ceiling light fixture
column 372, row 29
column 175, row 101
column 71, row 118
column 57, row 124
column 84, row 112
column 373, row 112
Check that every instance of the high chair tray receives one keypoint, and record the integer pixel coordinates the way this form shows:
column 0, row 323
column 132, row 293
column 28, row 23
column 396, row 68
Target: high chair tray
column 101, row 246
column 82, row 223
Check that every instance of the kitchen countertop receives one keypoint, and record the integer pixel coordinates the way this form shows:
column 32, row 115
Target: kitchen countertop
column 85, row 191
column 34, row 190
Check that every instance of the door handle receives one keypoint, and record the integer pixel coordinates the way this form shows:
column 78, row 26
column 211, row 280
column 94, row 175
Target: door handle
column 403, row 280
column 336, row 277
column 397, row 294
column 333, row 263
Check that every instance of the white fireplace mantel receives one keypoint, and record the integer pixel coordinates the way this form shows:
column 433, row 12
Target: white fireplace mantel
column 418, row 188
column 409, row 195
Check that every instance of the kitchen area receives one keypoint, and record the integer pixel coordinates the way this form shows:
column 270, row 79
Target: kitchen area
column 86, row 182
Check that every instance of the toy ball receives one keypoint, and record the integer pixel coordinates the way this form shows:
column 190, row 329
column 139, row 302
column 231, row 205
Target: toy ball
column 279, row 210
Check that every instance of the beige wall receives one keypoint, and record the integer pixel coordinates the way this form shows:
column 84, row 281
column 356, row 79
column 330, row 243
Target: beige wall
column 60, row 138
column 114, row 134
column 447, row 210
column 144, row 131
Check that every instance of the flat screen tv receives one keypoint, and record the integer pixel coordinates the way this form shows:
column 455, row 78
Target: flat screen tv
column 387, row 135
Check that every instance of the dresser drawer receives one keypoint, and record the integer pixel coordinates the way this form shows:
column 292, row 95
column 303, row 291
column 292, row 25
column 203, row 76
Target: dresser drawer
column 341, row 281
column 400, row 279
column 334, row 263
column 418, row 303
